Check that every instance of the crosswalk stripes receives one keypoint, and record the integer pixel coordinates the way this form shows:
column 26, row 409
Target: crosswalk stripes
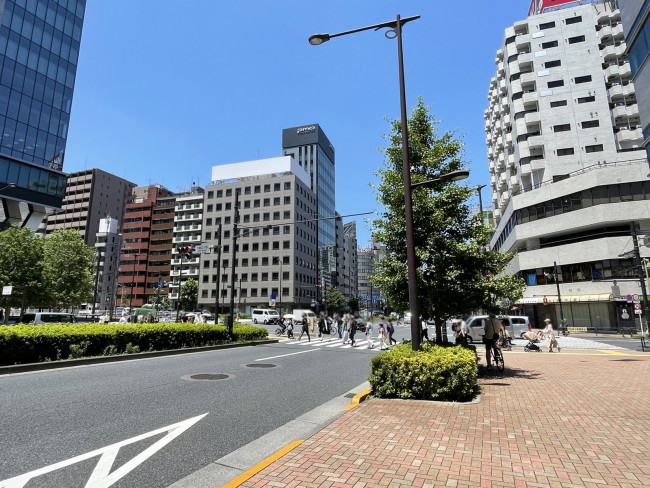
column 334, row 343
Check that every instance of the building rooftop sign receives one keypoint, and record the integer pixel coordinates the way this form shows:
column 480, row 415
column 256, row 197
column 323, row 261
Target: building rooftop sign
column 541, row 6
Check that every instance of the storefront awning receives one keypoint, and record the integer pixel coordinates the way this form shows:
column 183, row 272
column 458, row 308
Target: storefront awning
column 602, row 297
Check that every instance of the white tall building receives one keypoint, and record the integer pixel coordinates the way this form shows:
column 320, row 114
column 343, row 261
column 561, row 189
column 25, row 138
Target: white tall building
column 108, row 244
column 567, row 172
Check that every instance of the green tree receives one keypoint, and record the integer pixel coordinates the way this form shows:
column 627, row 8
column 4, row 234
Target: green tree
column 450, row 242
column 166, row 303
column 189, row 294
column 335, row 300
column 355, row 304
column 21, row 252
column 68, row 266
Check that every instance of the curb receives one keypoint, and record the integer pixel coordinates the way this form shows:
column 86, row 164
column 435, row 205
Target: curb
column 358, row 398
column 69, row 363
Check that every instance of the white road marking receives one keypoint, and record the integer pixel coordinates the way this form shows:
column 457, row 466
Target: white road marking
column 101, row 476
column 281, row 356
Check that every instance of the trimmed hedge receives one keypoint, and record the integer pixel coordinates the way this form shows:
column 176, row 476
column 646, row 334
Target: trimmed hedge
column 434, row 373
column 49, row 342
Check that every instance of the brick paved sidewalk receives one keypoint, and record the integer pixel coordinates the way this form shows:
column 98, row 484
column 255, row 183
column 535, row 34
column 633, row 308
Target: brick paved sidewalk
column 560, row 420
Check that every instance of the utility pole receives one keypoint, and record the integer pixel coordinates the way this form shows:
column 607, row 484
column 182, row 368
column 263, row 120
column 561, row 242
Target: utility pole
column 218, row 268
column 180, row 251
column 235, row 224
column 639, row 267
column 559, row 299
column 99, row 257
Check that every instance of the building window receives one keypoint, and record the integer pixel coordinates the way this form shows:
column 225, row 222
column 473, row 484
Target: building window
column 558, row 103
column 287, row 185
column 553, row 64
column 229, row 192
column 210, row 194
column 276, row 201
column 256, row 246
column 576, row 39
column 267, row 188
column 226, row 220
column 266, row 216
column 561, row 127
column 266, row 231
column 247, row 218
column 265, row 261
column 208, row 236
column 276, row 245
column 547, row 25
column 285, row 259
column 555, row 84
column 286, row 244
column 287, row 214
column 276, row 187
column 567, row 151
column 573, row 20
column 247, row 204
column 208, row 221
column 582, row 79
column 228, row 206
column 255, row 262
column 247, row 190
column 287, row 200
column 276, row 215
column 546, row 45
column 587, row 99
column 226, row 234
column 286, row 229
column 267, row 202
column 588, row 124
column 257, row 189
column 265, row 246
column 265, row 277
column 219, row 207
column 594, row 148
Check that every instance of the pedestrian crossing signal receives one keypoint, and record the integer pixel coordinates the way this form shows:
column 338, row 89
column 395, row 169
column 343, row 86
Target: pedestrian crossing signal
column 545, row 301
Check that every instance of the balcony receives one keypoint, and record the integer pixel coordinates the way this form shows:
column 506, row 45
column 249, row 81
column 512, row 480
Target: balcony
column 188, row 217
column 509, row 139
column 611, row 53
column 503, row 181
column 530, row 96
column 622, row 110
column 612, row 72
column 535, row 140
column 186, row 239
column 532, row 118
column 186, row 272
column 186, row 262
column 522, row 42
column 630, row 136
column 188, row 228
column 511, row 161
column 514, row 183
column 501, row 162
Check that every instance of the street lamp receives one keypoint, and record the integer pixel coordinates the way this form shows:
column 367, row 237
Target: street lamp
column 395, row 27
column 480, row 200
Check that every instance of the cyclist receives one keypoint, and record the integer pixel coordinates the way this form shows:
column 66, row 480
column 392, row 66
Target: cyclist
column 492, row 326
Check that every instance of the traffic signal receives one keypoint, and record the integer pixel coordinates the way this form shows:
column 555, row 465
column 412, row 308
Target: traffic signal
column 188, row 252
column 320, row 287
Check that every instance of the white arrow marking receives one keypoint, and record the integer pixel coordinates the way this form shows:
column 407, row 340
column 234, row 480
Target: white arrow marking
column 101, row 476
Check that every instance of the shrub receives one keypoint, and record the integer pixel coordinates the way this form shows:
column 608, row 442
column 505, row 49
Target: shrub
column 435, row 373
column 33, row 343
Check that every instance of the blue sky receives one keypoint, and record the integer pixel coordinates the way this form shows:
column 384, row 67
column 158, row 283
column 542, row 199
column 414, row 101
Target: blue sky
column 167, row 89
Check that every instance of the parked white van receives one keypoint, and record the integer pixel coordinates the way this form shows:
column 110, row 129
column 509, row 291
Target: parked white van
column 265, row 315
column 47, row 318
column 476, row 325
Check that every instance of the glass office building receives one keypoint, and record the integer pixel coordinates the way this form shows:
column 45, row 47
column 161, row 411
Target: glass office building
column 39, row 49
column 313, row 151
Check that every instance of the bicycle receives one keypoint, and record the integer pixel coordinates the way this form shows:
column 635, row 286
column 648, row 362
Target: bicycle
column 497, row 358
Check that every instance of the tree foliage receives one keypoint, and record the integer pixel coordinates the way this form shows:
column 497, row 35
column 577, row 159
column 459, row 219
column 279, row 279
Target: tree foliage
column 335, row 300
column 189, row 294
column 355, row 304
column 21, row 252
column 67, row 269
column 450, row 242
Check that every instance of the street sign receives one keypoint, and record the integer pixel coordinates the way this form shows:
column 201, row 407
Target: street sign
column 6, row 290
column 201, row 248
column 273, row 296
column 638, row 312
column 628, row 298
column 635, row 297
column 637, row 306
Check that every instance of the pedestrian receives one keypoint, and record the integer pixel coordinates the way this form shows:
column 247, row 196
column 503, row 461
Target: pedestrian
column 550, row 333
column 391, row 331
column 305, row 329
column 322, row 325
column 383, row 344
column 369, row 334
column 461, row 336
column 346, row 331
column 353, row 330
column 492, row 326
column 123, row 320
column 425, row 331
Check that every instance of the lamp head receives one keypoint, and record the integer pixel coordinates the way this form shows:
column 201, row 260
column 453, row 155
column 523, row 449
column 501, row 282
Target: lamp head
column 318, row 39
column 458, row 175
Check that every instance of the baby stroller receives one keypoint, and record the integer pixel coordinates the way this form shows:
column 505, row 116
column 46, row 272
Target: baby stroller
column 533, row 339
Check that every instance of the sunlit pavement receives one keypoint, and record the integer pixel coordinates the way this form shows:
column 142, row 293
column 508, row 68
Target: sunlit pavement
column 565, row 419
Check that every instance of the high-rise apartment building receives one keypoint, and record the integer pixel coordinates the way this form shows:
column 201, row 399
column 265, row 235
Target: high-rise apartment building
column 349, row 284
column 39, row 49
column 160, row 249
column 137, row 232
column 313, row 151
column 634, row 17
column 567, row 171
column 108, row 243
column 188, row 230
column 276, row 254
column 366, row 258
column 90, row 195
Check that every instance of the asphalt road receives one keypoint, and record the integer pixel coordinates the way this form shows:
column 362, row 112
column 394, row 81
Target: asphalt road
column 53, row 416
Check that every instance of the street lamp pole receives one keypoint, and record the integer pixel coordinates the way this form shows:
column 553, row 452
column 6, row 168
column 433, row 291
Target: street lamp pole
column 396, row 30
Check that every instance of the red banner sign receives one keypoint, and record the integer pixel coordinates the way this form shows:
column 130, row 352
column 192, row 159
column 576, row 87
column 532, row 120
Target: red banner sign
column 539, row 6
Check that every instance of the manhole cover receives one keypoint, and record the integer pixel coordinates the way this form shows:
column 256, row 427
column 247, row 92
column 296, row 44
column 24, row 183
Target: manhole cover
column 208, row 376
column 261, row 365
